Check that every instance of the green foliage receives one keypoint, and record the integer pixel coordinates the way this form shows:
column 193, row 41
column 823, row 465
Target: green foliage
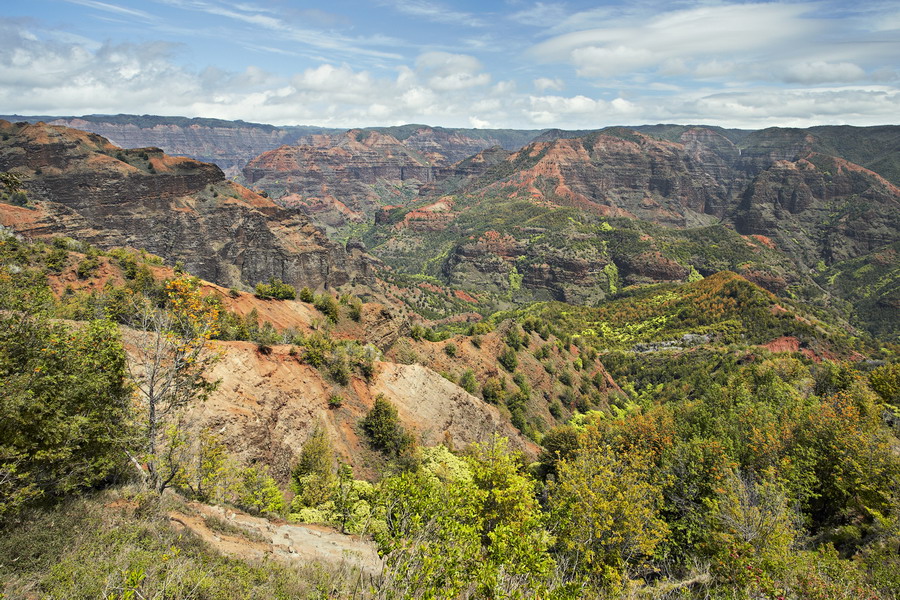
column 885, row 381
column 612, row 278
column 385, row 432
column 469, row 531
column 508, row 359
column 65, row 410
column 468, row 382
column 87, row 267
column 450, row 349
column 724, row 307
column 275, row 290
column 313, row 477
column 12, row 192
column 258, row 492
column 604, row 508
column 328, row 306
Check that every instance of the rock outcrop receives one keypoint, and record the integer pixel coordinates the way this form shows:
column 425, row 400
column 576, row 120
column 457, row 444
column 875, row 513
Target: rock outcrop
column 632, row 176
column 180, row 209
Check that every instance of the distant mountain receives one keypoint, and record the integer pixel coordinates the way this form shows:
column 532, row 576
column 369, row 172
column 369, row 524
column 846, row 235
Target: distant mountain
column 576, row 218
column 232, row 144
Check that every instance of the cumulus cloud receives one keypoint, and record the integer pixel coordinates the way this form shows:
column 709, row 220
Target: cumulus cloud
column 446, row 71
column 664, row 69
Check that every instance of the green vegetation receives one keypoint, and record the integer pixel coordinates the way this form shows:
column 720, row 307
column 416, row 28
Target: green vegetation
column 871, row 286
column 382, row 426
column 682, row 459
column 723, row 307
column 275, row 290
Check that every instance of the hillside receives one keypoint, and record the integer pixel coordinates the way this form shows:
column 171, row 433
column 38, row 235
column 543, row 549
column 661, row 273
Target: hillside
column 571, row 374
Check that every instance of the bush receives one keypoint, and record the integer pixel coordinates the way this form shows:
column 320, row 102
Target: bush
column 450, row 349
column 468, row 382
column 87, row 267
column 65, row 408
column 258, row 492
column 275, row 290
column 492, row 390
column 327, row 305
column 382, row 427
column 508, row 359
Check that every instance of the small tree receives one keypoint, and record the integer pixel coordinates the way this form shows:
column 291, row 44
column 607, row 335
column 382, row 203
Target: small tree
column 382, row 426
column 313, row 477
column 170, row 360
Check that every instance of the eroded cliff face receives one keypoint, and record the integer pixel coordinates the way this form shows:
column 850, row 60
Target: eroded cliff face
column 554, row 206
column 182, row 210
column 229, row 147
column 820, row 208
column 342, row 179
column 638, row 177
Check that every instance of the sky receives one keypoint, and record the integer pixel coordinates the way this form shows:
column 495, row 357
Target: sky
column 487, row 64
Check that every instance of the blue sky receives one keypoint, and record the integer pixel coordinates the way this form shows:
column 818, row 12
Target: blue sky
column 512, row 63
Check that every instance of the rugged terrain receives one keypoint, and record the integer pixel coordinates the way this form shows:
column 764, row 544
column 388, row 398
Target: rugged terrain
column 81, row 185
column 577, row 217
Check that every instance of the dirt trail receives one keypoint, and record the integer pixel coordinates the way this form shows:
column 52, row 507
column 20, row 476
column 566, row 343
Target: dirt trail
column 283, row 541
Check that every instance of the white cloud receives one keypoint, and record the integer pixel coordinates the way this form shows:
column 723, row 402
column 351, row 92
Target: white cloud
column 112, row 8
column 824, row 72
column 279, row 28
column 593, row 61
column 542, row 84
column 45, row 72
column 705, row 41
column 541, row 14
column 436, row 12
column 757, row 108
column 446, row 71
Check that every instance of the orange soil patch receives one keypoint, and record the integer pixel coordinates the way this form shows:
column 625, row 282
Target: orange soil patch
column 465, row 297
column 783, row 344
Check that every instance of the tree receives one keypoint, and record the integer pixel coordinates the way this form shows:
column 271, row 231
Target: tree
column 65, row 407
column 382, row 426
column 313, row 477
column 170, row 360
column 603, row 510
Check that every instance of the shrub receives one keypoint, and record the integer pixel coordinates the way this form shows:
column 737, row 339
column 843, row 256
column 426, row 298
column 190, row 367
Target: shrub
column 258, row 492
column 87, row 267
column 492, row 390
column 382, row 427
column 65, row 407
column 354, row 309
column 468, row 382
column 276, row 289
column 313, row 478
column 327, row 305
column 508, row 359
column 450, row 349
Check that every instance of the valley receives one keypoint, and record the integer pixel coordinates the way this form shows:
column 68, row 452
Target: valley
column 515, row 363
